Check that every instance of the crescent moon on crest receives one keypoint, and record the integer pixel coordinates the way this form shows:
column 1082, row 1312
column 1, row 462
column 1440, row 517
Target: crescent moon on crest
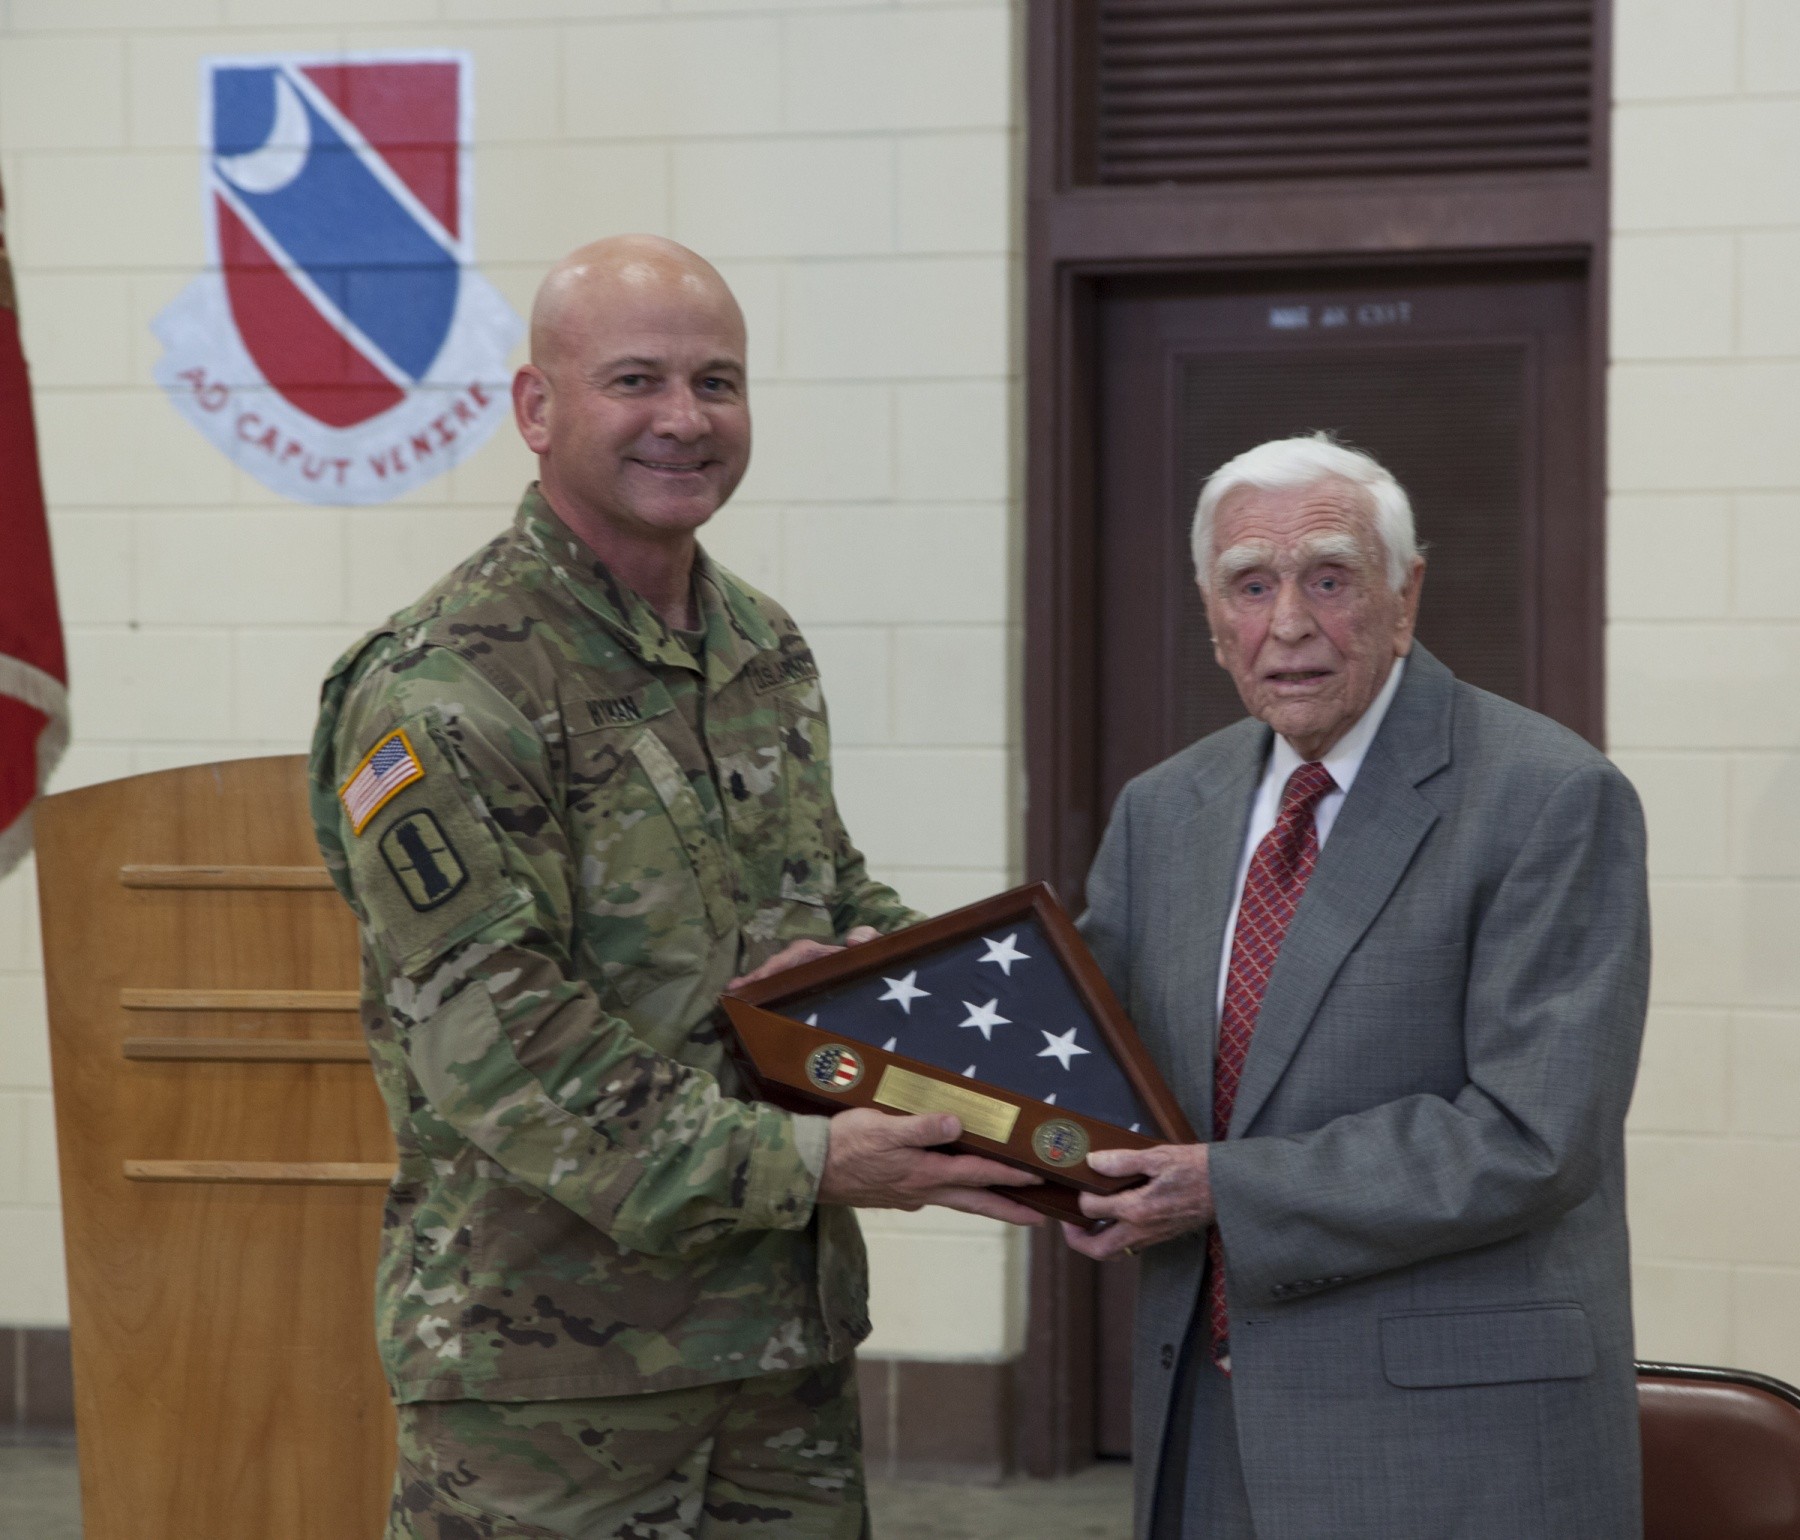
column 280, row 158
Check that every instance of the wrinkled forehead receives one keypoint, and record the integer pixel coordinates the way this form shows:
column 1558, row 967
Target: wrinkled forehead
column 1324, row 548
column 1290, row 522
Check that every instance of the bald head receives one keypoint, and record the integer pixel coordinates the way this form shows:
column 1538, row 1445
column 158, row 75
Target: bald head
column 600, row 284
column 635, row 401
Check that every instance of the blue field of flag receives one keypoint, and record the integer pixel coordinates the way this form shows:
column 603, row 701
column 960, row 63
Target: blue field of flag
column 998, row 1009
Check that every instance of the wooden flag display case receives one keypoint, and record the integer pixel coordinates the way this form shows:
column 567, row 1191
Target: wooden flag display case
column 997, row 1013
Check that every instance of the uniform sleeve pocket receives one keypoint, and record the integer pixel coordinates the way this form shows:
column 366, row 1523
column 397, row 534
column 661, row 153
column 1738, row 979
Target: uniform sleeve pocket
column 1423, row 1349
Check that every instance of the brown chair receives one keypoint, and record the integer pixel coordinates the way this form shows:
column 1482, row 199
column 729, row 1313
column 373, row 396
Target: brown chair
column 1721, row 1454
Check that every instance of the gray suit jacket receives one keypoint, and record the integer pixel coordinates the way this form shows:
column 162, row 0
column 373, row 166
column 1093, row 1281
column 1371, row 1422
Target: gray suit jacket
column 1422, row 1192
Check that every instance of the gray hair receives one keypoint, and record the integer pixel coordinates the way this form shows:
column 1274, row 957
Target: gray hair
column 1302, row 462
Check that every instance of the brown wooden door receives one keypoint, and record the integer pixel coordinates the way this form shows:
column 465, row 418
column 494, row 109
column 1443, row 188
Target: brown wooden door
column 223, row 1154
column 1471, row 386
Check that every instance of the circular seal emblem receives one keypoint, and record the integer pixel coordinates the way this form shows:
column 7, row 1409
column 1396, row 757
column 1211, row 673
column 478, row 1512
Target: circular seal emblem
column 1060, row 1142
column 834, row 1067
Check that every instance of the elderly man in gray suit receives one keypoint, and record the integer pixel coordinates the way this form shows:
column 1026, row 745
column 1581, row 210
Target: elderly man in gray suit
column 1388, row 942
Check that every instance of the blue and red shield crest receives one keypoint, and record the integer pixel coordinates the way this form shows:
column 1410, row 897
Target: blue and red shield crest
column 341, row 347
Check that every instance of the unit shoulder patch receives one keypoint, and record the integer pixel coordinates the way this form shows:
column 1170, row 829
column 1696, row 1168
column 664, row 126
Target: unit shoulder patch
column 423, row 860
column 431, row 871
column 384, row 772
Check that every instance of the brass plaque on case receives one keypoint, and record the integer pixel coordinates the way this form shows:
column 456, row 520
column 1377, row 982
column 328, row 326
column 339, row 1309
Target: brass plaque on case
column 987, row 1117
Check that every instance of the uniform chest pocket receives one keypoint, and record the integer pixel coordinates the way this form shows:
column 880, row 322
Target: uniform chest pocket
column 810, row 823
column 768, row 747
column 648, row 852
column 753, row 761
column 706, row 857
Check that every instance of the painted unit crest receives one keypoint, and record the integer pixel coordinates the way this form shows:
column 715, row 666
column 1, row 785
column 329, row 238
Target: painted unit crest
column 341, row 347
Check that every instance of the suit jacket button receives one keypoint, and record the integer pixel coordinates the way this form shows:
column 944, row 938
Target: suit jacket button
column 1168, row 1355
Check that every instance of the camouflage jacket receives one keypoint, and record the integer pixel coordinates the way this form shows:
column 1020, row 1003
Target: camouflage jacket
column 555, row 876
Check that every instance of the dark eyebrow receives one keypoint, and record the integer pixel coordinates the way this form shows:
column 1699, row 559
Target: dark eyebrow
column 711, row 366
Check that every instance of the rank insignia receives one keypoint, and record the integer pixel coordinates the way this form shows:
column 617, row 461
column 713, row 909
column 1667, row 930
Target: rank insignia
column 386, row 770
column 1060, row 1142
column 834, row 1067
column 423, row 860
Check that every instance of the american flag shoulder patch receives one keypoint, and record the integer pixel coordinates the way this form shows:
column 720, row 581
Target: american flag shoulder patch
column 386, row 770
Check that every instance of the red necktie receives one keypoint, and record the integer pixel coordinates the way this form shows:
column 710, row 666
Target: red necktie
column 1272, row 888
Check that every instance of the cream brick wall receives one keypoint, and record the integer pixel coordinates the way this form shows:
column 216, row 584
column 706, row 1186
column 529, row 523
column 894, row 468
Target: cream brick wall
column 852, row 168
column 1704, row 658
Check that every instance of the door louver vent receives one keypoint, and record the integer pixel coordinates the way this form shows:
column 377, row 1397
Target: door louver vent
column 1239, row 90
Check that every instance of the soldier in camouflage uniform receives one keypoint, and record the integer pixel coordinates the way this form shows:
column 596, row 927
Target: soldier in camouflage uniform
column 571, row 793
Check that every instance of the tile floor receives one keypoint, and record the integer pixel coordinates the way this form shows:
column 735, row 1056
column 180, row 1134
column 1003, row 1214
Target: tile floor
column 39, row 1501
column 38, row 1497
column 1094, row 1505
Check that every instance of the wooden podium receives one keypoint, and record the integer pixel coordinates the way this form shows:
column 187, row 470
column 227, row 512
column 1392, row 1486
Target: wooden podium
column 224, row 1153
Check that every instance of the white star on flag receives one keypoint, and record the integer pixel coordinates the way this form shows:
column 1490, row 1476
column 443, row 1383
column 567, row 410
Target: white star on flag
column 986, row 1017
column 1003, row 952
column 905, row 991
column 1062, row 1049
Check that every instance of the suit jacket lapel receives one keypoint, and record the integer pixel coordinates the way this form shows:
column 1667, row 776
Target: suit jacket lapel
column 1202, row 869
column 1380, row 826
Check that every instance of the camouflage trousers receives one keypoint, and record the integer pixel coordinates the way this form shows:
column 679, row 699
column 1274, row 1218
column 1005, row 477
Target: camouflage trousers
column 780, row 1454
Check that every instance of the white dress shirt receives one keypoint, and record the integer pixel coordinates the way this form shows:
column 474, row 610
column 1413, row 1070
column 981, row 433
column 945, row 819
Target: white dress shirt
column 1343, row 761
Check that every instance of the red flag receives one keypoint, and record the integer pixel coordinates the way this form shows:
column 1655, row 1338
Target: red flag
column 34, row 675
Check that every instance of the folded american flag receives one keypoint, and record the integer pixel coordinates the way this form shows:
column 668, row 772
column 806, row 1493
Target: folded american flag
column 997, row 1009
